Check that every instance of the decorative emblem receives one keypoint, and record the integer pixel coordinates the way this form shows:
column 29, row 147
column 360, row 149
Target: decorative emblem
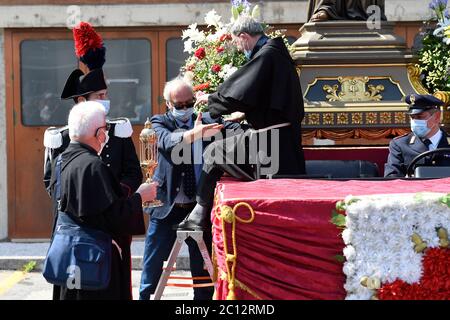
column 412, row 98
column 353, row 89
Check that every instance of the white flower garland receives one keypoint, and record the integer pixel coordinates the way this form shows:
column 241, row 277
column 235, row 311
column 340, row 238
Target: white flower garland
column 378, row 238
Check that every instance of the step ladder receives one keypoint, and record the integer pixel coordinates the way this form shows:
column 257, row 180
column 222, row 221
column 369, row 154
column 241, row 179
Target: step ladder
column 182, row 235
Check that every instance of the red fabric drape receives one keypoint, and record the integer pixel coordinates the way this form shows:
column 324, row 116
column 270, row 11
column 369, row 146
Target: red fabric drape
column 288, row 251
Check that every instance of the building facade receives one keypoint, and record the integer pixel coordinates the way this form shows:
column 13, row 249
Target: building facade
column 144, row 50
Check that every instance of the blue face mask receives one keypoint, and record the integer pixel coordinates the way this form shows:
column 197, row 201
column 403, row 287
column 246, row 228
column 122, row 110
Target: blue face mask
column 247, row 54
column 106, row 104
column 420, row 127
column 183, row 115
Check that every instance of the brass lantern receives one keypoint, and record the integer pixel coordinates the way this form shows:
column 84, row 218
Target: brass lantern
column 148, row 153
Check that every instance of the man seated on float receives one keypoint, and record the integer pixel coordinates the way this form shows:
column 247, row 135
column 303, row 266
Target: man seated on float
column 425, row 115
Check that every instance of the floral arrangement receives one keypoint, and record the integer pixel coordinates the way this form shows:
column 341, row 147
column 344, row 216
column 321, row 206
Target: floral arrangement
column 434, row 61
column 213, row 58
column 394, row 248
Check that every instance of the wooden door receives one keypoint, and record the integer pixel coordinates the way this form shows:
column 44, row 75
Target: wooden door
column 29, row 207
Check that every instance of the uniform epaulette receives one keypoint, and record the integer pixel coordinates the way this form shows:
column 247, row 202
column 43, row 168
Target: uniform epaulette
column 122, row 127
column 53, row 137
column 403, row 135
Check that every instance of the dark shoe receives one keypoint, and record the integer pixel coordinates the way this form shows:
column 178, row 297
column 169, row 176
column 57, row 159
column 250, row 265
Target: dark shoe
column 197, row 220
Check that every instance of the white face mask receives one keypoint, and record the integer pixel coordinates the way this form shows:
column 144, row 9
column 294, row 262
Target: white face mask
column 106, row 104
column 420, row 127
column 103, row 144
column 183, row 115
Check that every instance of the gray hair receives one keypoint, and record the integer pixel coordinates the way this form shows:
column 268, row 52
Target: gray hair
column 84, row 119
column 246, row 24
column 174, row 84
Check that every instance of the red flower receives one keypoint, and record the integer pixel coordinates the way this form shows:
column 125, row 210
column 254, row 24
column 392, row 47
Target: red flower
column 434, row 284
column 219, row 49
column 200, row 53
column 202, row 86
column 225, row 37
column 85, row 38
column 216, row 68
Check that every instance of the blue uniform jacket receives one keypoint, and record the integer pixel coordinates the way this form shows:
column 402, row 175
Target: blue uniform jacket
column 168, row 174
column 404, row 149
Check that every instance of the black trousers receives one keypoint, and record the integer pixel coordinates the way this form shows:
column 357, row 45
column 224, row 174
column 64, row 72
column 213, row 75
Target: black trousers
column 245, row 155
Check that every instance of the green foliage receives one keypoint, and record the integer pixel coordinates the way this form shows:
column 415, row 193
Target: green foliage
column 340, row 205
column 338, row 219
column 339, row 258
column 434, row 64
column 445, row 200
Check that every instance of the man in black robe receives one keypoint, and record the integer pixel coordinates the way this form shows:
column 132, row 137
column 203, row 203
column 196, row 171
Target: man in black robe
column 119, row 153
column 91, row 195
column 324, row 10
column 266, row 90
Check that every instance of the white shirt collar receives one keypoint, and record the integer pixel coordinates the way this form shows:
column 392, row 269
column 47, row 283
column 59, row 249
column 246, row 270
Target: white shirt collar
column 435, row 140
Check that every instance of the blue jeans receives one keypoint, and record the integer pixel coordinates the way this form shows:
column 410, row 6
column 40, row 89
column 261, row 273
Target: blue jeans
column 159, row 242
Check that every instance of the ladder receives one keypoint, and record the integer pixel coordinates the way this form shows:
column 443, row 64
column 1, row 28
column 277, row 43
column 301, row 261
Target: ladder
column 182, row 235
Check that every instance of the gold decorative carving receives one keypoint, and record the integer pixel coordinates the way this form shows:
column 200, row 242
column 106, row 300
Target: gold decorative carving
column 374, row 92
column 414, row 79
column 313, row 119
column 353, row 89
column 342, row 118
column 328, row 118
column 385, row 118
column 400, row 117
column 371, row 118
column 332, row 92
column 444, row 96
column 357, row 118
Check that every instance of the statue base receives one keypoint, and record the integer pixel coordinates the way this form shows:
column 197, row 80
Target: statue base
column 355, row 79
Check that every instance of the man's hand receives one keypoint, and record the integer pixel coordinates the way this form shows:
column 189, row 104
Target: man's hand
column 147, row 191
column 236, row 117
column 201, row 130
column 200, row 98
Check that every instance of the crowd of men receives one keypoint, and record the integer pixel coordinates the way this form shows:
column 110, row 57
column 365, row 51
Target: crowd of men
column 101, row 179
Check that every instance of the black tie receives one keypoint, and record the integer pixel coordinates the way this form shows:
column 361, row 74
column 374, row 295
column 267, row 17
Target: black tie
column 427, row 142
column 189, row 175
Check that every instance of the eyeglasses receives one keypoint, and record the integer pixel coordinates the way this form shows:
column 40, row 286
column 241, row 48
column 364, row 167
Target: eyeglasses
column 187, row 105
column 107, row 127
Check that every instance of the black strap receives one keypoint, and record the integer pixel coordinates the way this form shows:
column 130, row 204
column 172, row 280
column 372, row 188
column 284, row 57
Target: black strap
column 58, row 170
column 58, row 181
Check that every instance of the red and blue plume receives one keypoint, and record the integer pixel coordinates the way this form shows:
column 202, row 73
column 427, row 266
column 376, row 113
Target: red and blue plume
column 89, row 46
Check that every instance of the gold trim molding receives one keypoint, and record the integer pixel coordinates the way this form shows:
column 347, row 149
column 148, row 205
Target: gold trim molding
column 347, row 83
column 414, row 79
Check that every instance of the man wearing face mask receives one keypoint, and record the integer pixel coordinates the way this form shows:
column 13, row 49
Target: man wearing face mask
column 266, row 92
column 118, row 151
column 425, row 115
column 179, row 128
column 90, row 195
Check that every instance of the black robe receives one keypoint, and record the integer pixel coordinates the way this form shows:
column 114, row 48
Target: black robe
column 345, row 9
column 267, row 89
column 119, row 154
column 91, row 192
